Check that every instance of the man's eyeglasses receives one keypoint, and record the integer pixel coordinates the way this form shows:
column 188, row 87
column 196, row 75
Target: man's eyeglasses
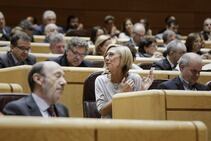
column 77, row 53
column 22, row 48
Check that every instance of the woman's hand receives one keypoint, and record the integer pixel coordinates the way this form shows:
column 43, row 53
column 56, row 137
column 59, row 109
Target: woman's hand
column 147, row 81
column 126, row 85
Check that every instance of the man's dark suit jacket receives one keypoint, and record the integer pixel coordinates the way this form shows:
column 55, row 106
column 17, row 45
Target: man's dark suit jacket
column 162, row 65
column 62, row 61
column 176, row 84
column 6, row 31
column 6, row 60
column 26, row 106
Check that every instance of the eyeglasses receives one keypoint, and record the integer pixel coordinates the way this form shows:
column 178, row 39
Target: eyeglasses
column 77, row 53
column 24, row 49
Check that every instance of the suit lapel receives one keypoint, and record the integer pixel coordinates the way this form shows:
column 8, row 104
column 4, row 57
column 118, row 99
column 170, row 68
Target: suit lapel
column 32, row 106
column 60, row 111
column 179, row 83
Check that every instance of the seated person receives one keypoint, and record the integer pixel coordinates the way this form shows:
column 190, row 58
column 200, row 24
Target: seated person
column 96, row 31
column 148, row 48
column 145, row 22
column 19, row 52
column 49, row 16
column 4, row 30
column 101, row 44
column 206, row 32
column 46, row 81
column 168, row 36
column 110, row 27
column 49, row 30
column 117, row 78
column 190, row 65
column 73, row 24
column 57, row 43
column 74, row 54
column 175, row 49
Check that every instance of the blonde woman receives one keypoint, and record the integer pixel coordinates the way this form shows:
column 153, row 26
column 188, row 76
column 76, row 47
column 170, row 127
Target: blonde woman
column 117, row 78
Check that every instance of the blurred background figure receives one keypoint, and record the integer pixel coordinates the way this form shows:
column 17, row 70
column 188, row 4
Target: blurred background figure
column 4, row 30
column 49, row 17
column 33, row 20
column 102, row 43
column 168, row 36
column 28, row 28
column 206, row 33
column 138, row 33
column 57, row 43
column 148, row 48
column 95, row 33
column 49, row 30
column 166, row 21
column 110, row 27
column 73, row 23
column 145, row 22
column 194, row 43
column 127, row 29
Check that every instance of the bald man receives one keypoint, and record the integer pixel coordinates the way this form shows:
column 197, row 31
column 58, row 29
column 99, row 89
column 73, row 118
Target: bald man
column 190, row 65
column 46, row 81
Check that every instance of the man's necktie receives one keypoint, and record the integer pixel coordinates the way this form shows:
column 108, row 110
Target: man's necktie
column 51, row 111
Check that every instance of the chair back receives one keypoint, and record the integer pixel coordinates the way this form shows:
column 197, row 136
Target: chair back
column 89, row 101
column 8, row 97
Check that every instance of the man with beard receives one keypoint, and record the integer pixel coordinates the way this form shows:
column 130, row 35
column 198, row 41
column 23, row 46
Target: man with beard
column 75, row 51
column 19, row 52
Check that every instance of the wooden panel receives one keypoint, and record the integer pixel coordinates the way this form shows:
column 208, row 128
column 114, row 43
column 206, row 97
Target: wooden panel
column 186, row 115
column 188, row 99
column 139, row 105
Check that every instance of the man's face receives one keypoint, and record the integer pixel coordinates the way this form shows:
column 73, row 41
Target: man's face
column 74, row 23
column 207, row 25
column 191, row 72
column 58, row 48
column 22, row 50
column 2, row 21
column 76, row 55
column 137, row 36
column 50, row 19
column 53, row 83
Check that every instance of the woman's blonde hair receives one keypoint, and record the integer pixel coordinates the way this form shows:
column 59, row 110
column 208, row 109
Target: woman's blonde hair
column 126, row 58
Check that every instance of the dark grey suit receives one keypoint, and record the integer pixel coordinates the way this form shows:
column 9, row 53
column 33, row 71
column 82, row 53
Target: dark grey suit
column 26, row 106
column 176, row 84
column 162, row 65
column 6, row 60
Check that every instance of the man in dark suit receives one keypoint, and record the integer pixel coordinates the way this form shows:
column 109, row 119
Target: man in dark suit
column 19, row 52
column 75, row 52
column 175, row 49
column 49, row 16
column 46, row 81
column 4, row 30
column 190, row 65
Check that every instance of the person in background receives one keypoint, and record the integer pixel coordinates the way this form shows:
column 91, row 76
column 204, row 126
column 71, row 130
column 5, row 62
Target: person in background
column 101, row 44
column 49, row 17
column 28, row 28
column 168, row 36
column 57, row 43
column 206, row 32
column 46, row 81
column 49, row 30
column 175, row 49
column 95, row 33
column 145, row 22
column 194, row 43
column 19, row 52
column 75, row 51
column 190, row 65
column 148, row 48
column 127, row 29
column 5, row 31
column 117, row 79
column 138, row 33
column 110, row 27
column 73, row 23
